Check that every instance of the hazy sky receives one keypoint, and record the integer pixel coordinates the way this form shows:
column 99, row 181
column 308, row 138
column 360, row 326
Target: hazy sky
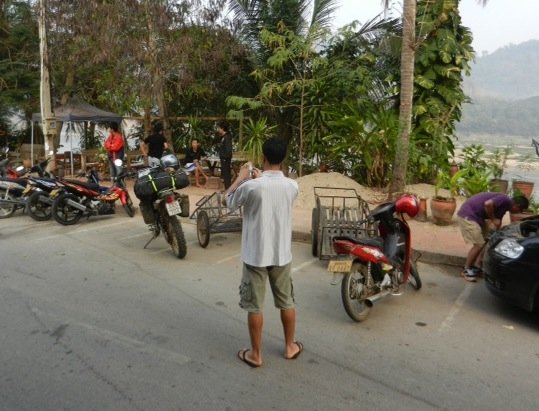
column 499, row 23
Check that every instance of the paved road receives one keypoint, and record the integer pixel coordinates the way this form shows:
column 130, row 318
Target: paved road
column 89, row 320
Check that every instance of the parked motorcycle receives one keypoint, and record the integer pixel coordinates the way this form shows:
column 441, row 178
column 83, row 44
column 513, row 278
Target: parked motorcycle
column 46, row 187
column 160, row 204
column 13, row 190
column 376, row 267
column 89, row 198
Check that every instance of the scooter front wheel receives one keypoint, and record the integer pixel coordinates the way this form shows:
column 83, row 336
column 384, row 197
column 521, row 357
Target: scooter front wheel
column 414, row 280
column 6, row 209
column 63, row 212
column 37, row 206
column 354, row 293
column 129, row 207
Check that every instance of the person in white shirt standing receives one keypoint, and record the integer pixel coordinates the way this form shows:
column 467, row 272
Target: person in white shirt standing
column 266, row 247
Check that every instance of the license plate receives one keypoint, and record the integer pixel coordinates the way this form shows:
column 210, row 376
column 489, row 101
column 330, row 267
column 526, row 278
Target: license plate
column 173, row 208
column 340, row 266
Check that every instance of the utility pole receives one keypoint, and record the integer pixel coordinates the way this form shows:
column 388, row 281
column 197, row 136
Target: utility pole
column 47, row 116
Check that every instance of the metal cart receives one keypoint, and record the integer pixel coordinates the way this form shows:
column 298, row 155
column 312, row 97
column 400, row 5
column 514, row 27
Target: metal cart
column 214, row 217
column 338, row 212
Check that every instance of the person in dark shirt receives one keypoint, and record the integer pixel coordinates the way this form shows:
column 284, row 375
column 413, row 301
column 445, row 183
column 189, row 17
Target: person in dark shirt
column 195, row 154
column 224, row 142
column 479, row 215
column 152, row 147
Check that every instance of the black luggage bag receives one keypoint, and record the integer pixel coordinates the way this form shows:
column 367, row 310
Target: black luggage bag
column 147, row 186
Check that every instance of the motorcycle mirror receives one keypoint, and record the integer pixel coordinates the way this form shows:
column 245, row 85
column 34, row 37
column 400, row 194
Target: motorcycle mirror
column 118, row 162
column 19, row 169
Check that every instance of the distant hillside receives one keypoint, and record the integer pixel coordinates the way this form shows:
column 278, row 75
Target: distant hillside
column 491, row 116
column 504, row 88
column 509, row 73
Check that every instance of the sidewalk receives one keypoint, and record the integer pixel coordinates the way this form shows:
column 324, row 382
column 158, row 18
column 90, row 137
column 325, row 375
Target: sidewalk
column 431, row 243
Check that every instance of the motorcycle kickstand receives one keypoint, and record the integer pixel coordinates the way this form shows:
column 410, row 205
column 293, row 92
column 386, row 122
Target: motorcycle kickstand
column 155, row 231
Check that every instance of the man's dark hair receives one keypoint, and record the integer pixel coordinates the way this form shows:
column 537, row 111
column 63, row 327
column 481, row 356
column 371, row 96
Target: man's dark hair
column 522, row 202
column 274, row 149
column 157, row 127
column 114, row 126
column 224, row 125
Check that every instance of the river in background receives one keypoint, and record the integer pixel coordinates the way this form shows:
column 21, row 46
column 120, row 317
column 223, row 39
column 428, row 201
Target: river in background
column 523, row 163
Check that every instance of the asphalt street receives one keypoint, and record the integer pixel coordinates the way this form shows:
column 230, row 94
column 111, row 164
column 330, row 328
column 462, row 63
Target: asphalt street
column 90, row 320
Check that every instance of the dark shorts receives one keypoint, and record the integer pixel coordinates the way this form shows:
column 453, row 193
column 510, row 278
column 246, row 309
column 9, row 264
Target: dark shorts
column 253, row 287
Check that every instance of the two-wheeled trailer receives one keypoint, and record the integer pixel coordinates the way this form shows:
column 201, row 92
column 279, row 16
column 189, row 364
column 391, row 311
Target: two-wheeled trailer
column 212, row 216
column 338, row 212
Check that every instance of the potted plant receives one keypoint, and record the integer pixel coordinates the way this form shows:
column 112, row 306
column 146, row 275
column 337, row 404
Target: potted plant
column 521, row 184
column 443, row 206
column 497, row 163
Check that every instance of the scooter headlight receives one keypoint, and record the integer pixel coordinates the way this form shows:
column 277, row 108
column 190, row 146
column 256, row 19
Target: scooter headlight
column 509, row 248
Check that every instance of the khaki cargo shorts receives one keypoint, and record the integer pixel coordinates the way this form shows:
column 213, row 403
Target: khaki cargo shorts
column 253, row 287
column 472, row 232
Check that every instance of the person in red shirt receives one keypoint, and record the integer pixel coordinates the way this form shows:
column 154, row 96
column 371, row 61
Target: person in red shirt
column 114, row 144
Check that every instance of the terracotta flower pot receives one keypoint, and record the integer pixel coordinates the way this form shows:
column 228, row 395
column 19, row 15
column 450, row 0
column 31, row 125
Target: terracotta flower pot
column 498, row 185
column 442, row 210
column 525, row 187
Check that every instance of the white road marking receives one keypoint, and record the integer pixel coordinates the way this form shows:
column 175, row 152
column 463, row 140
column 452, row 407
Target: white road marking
column 459, row 302
column 305, row 264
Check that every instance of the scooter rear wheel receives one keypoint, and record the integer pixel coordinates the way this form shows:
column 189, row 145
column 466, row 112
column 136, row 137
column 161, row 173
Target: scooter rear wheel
column 353, row 293
column 63, row 212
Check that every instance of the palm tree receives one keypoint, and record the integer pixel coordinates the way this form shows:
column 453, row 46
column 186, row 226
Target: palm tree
column 407, row 91
column 305, row 19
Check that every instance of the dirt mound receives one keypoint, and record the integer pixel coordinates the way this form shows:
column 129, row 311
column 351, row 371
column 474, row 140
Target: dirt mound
column 330, row 181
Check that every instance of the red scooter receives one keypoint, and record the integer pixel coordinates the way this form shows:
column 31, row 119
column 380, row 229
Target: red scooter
column 89, row 198
column 376, row 267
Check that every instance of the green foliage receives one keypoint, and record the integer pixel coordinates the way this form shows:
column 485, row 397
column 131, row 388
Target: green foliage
column 498, row 160
column 443, row 56
column 19, row 56
column 363, row 143
column 256, row 133
column 446, row 181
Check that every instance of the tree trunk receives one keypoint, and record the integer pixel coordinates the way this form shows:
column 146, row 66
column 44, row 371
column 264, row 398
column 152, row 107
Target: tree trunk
column 406, row 97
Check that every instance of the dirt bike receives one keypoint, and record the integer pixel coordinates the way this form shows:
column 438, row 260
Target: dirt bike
column 89, row 198
column 376, row 267
column 160, row 204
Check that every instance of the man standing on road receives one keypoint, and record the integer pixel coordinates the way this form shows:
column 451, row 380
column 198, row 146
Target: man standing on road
column 152, row 147
column 224, row 141
column 266, row 247
column 477, row 217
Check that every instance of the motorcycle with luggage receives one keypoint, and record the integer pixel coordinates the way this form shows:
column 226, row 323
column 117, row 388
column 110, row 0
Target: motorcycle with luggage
column 376, row 267
column 85, row 199
column 161, row 205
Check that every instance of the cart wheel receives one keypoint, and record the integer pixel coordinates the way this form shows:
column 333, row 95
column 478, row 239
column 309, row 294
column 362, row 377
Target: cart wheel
column 203, row 229
column 314, row 232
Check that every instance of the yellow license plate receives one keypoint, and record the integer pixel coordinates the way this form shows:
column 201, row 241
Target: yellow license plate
column 340, row 266
column 27, row 189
